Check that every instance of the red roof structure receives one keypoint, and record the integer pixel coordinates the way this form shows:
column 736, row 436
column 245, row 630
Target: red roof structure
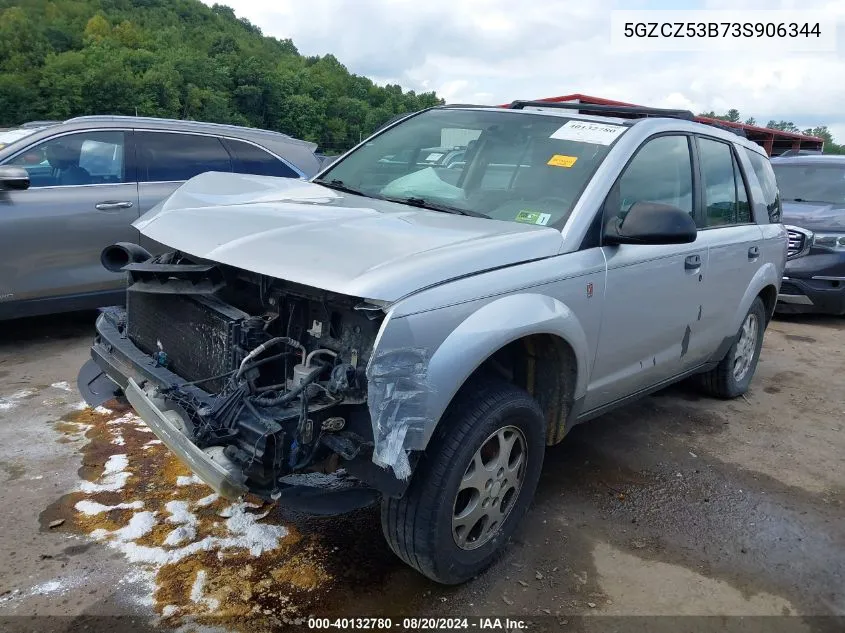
column 775, row 142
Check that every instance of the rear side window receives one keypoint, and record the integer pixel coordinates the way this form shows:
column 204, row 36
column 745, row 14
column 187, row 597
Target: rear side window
column 766, row 175
column 250, row 159
column 164, row 156
column 725, row 195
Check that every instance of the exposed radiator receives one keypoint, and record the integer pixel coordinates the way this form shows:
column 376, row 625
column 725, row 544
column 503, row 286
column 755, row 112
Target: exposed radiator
column 197, row 333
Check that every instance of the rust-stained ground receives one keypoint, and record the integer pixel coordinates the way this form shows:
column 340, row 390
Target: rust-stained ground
column 677, row 505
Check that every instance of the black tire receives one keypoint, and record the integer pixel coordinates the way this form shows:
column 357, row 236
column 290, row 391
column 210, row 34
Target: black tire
column 721, row 381
column 418, row 527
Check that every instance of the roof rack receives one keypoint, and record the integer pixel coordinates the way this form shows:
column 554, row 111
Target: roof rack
column 142, row 119
column 623, row 111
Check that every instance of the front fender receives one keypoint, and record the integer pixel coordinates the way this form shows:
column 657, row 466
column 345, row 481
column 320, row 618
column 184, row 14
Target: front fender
column 414, row 374
column 491, row 328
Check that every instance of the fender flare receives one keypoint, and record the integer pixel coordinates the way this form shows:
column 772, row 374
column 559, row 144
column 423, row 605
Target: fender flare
column 766, row 275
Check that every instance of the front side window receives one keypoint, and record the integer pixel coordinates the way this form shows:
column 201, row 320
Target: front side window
column 167, row 156
column 86, row 158
column 809, row 182
column 661, row 172
column 518, row 167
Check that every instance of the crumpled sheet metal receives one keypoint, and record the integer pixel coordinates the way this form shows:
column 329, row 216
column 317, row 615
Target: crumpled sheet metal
column 397, row 396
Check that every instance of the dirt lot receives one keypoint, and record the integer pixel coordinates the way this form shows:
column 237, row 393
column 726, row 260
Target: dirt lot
column 677, row 505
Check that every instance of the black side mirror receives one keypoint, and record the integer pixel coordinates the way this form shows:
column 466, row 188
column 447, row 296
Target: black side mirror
column 12, row 177
column 651, row 223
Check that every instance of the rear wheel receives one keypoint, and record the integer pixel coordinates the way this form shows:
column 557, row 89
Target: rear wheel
column 472, row 486
column 732, row 376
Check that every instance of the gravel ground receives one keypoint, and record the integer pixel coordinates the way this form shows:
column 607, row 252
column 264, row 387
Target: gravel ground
column 678, row 505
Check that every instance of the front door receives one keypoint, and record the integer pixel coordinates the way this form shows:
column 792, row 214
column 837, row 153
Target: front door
column 81, row 199
column 651, row 320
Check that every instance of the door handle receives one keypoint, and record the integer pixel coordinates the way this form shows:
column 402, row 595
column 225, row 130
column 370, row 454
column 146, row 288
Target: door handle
column 111, row 205
column 753, row 252
column 692, row 262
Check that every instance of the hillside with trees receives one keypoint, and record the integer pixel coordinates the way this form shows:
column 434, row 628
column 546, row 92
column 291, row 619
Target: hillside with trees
column 180, row 59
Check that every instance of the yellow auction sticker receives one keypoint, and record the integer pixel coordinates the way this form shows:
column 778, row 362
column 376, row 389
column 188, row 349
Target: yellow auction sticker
column 559, row 160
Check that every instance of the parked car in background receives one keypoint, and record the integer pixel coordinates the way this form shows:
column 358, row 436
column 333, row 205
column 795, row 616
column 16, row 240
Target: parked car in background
column 431, row 329
column 67, row 191
column 7, row 137
column 813, row 193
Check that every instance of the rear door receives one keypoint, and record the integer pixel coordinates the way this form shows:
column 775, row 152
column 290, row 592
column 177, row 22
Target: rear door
column 82, row 198
column 167, row 159
column 650, row 320
column 733, row 239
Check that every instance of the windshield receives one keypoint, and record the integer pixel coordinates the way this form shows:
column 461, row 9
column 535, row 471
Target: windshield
column 811, row 183
column 518, row 167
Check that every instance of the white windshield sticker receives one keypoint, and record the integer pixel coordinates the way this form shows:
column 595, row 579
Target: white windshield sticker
column 588, row 132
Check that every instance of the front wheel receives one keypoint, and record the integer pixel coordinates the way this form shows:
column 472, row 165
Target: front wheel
column 472, row 486
column 732, row 376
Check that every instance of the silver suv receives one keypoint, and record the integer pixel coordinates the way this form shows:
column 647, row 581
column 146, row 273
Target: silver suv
column 69, row 190
column 428, row 330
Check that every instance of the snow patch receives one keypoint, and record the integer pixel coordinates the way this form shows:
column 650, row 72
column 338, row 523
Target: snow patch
column 139, row 525
column 113, row 478
column 102, row 410
column 179, row 513
column 207, row 501
column 197, row 594
column 11, row 401
column 150, row 444
column 181, row 480
column 92, row 507
column 247, row 534
column 63, row 385
column 182, row 534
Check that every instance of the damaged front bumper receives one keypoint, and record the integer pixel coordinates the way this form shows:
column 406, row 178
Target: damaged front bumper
column 171, row 407
column 224, row 480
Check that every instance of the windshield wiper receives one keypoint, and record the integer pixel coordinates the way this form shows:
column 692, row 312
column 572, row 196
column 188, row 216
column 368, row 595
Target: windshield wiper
column 422, row 203
column 339, row 185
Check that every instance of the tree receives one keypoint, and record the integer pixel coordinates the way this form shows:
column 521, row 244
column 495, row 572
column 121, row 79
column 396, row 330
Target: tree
column 182, row 59
column 784, row 126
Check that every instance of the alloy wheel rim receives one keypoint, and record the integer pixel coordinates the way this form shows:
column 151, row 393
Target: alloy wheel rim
column 746, row 347
column 489, row 488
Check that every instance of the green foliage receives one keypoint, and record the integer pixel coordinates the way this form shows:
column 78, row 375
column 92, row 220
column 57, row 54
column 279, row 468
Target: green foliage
column 180, row 59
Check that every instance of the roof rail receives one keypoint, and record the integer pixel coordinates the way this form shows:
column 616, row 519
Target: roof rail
column 610, row 110
column 142, row 119
column 728, row 128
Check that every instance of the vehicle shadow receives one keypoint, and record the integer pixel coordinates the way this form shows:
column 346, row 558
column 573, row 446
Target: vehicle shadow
column 819, row 320
column 48, row 327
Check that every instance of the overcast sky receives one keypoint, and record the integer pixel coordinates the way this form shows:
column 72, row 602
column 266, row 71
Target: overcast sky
column 494, row 51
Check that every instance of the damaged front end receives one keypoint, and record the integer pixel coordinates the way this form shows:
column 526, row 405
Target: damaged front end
column 248, row 379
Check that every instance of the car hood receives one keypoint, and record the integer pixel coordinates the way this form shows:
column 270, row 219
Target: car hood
column 315, row 236
column 815, row 216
